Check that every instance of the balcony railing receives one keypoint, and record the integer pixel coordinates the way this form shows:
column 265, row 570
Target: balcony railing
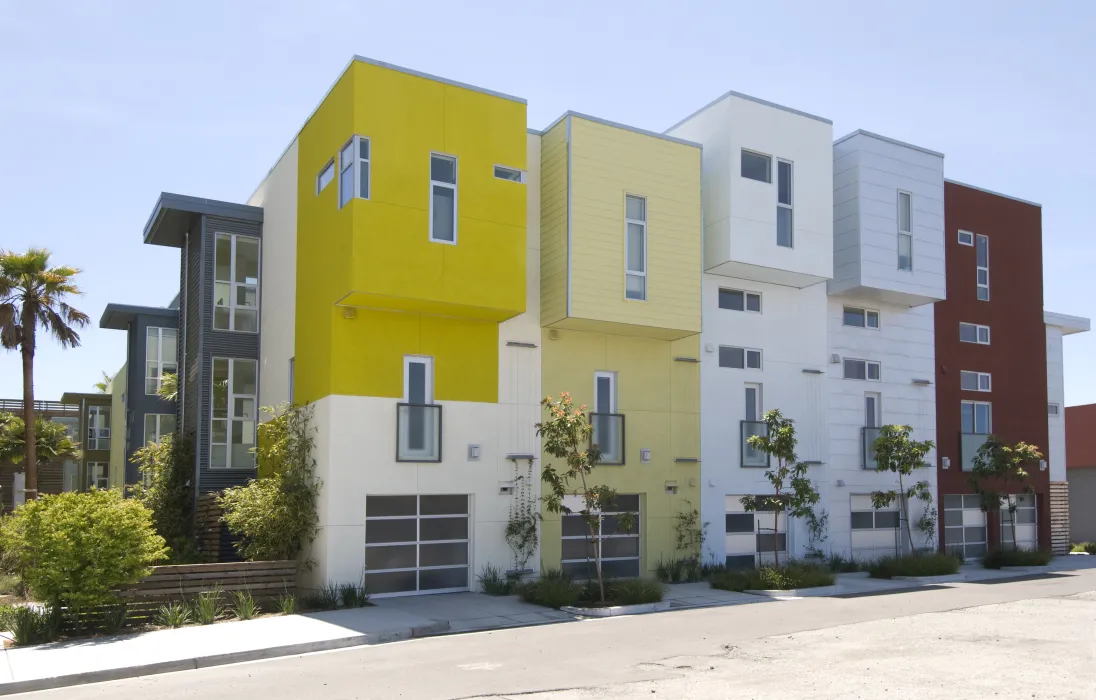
column 16, row 406
column 418, row 432
column 968, row 448
column 608, row 435
column 753, row 457
column 868, row 436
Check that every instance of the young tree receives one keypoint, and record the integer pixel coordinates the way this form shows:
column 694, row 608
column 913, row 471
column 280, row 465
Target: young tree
column 32, row 294
column 997, row 473
column 566, row 434
column 169, row 386
column 896, row 453
column 793, row 492
column 103, row 384
column 52, row 440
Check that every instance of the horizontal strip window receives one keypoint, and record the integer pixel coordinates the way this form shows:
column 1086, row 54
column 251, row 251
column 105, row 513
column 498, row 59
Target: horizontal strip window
column 739, row 358
column 862, row 369
column 860, row 318
column 973, row 333
column 738, row 300
column 511, row 174
column 974, row 381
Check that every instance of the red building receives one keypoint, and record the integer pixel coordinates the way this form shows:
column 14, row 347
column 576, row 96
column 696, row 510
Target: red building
column 991, row 360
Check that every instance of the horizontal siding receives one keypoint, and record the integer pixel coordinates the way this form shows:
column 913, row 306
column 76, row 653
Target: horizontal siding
column 606, row 163
column 553, row 224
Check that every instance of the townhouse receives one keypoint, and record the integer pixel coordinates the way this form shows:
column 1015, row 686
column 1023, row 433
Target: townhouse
column 421, row 269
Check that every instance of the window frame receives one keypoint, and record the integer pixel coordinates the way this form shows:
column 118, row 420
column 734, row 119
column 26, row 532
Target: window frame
column 103, row 434
column 745, row 300
column 158, row 429
column 876, row 399
column 974, row 416
column 979, row 268
column 159, row 356
column 970, row 242
column 908, row 232
column 865, row 312
column 356, row 161
column 867, row 375
column 1054, row 409
column 521, row 173
column 745, row 357
column 628, row 221
column 320, row 184
column 758, row 402
column 449, row 185
column 229, row 419
column 105, row 478
column 232, row 306
column 768, row 159
column 790, row 205
column 978, row 328
column 978, row 376
column 428, row 380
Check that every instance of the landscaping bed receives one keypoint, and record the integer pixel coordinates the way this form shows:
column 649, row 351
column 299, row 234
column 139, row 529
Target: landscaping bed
column 555, row 589
column 774, row 581
column 915, row 566
column 1083, row 548
column 1010, row 558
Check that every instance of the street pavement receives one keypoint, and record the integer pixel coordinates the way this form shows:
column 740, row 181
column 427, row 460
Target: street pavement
column 1029, row 637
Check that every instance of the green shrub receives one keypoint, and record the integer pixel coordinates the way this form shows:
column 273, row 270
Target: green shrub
column 840, row 565
column 493, row 582
column 11, row 584
column 114, row 618
column 167, row 468
column 77, row 548
column 921, row 564
column 326, row 598
column 243, row 605
column 997, row 558
column 275, row 517
column 1087, row 547
column 635, row 591
column 793, row 575
column 287, row 604
column 7, row 617
column 679, row 571
column 733, row 580
column 354, row 595
column 207, row 607
column 554, row 589
column 32, row 625
column 172, row 615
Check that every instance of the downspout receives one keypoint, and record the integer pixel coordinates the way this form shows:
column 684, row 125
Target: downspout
column 180, row 382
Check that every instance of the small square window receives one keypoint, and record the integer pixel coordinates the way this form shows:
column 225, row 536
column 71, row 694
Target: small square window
column 873, row 319
column 1052, row 409
column 756, row 166
column 753, row 359
column 966, row 238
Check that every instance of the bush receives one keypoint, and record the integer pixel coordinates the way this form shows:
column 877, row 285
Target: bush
column 31, row 625
column 554, row 589
column 287, row 604
column 493, row 582
column 7, row 618
column 791, row 576
column 1087, row 547
column 354, row 595
column 326, row 598
column 275, row 517
column 635, row 591
column 243, row 605
column 922, row 564
column 840, row 565
column 76, row 549
column 679, row 571
column 172, row 615
column 208, row 607
column 997, row 558
column 114, row 618
column 167, row 468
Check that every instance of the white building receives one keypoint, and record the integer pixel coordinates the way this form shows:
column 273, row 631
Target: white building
column 1058, row 326
column 768, row 252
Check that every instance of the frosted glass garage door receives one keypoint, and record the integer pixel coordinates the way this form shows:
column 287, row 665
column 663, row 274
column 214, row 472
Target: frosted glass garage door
column 1026, row 522
column 875, row 532
column 416, row 544
column 964, row 526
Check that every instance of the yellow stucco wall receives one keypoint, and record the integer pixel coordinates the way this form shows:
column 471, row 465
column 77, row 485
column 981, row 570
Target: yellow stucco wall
column 553, row 224
column 371, row 285
column 117, row 391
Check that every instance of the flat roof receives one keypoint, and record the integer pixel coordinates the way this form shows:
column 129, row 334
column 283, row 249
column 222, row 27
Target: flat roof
column 896, row 142
column 998, row 194
column 758, row 100
column 1068, row 324
column 170, row 218
column 119, row 316
column 77, row 397
column 618, row 125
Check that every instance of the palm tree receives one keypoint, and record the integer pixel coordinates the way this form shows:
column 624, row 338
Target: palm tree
column 33, row 294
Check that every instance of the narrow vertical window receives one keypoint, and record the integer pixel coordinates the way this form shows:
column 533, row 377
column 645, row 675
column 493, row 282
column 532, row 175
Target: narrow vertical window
column 160, row 350
column 233, row 409
column 872, row 413
column 326, row 176
column 353, row 170
column 784, row 219
column 753, row 402
column 608, row 425
column 98, row 428
column 905, row 231
column 236, row 283
column 346, row 173
column 982, row 249
column 363, row 167
column 443, row 199
column 418, row 419
column 635, row 243
column 157, row 425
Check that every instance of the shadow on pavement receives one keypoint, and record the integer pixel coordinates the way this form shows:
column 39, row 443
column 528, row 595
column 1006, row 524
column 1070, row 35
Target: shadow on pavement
column 888, row 591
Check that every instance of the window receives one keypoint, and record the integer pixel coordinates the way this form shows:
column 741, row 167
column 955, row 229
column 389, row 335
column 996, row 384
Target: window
column 443, row 198
column 157, row 425
column 635, row 244
column 739, row 358
column 235, row 384
column 966, row 238
column 236, row 283
column 860, row 318
column 873, row 412
column 753, row 402
column 98, row 475
column 973, row 333
column 326, row 176
column 418, row 424
column 964, row 526
column 861, row 369
column 756, row 166
column 608, row 425
column 354, row 170
column 751, row 456
column 784, row 219
column 98, row 427
column 1052, row 409
column 1018, row 512
column 160, row 353
column 983, row 267
column 737, row 300
column 974, row 381
column 619, row 547
column 905, row 231
column 875, row 532
column 977, row 417
column 511, row 174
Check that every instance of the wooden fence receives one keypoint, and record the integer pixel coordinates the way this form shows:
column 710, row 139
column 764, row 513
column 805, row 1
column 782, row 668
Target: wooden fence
column 264, row 579
column 1059, row 517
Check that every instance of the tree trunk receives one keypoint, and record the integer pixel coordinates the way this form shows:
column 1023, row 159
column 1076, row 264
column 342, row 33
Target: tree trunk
column 904, row 506
column 597, row 560
column 776, row 538
column 30, row 439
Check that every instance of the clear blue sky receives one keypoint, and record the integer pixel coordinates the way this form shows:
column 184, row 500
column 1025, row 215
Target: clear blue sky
column 104, row 107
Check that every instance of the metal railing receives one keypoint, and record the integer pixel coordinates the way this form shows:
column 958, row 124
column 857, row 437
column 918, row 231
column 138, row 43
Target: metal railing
column 868, row 436
column 16, row 406
column 752, row 457
column 969, row 443
column 608, row 435
column 418, row 432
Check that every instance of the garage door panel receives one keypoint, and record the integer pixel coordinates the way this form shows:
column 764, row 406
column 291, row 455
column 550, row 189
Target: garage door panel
column 445, row 554
column 388, row 506
column 443, row 528
column 444, row 505
column 382, row 531
column 390, row 582
column 395, row 557
column 436, row 579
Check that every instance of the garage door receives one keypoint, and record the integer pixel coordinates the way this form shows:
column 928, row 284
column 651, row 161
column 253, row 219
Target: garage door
column 416, row 544
column 875, row 532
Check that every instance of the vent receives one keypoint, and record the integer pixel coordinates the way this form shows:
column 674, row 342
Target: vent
column 686, row 359
column 1052, row 409
column 519, row 344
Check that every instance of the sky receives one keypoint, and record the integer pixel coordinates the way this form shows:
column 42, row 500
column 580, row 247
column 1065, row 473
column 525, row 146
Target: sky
column 103, row 105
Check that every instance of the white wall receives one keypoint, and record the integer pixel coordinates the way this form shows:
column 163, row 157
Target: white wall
column 868, row 172
column 791, row 332
column 905, row 348
column 277, row 195
column 1056, row 394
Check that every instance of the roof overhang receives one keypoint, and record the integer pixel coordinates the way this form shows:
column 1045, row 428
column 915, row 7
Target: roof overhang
column 1068, row 324
column 171, row 218
column 119, row 316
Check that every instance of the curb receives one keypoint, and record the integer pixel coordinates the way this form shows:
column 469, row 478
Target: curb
column 618, row 610
column 816, row 592
column 234, row 657
column 946, row 578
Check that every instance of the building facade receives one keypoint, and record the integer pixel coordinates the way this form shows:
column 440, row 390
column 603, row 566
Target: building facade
column 1080, row 453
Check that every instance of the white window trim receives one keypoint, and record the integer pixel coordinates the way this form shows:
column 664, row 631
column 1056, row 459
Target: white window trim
column 789, row 207
column 968, row 233
column 761, row 155
column 519, row 171
column 908, row 232
column 865, row 312
column 989, row 416
column 612, row 377
column 320, row 185
column 456, row 197
column 427, row 360
column 977, row 380
column 878, row 365
column 358, row 164
column 104, row 434
column 985, row 267
column 745, row 301
column 91, row 467
column 758, row 398
column 159, row 429
column 977, row 329
column 878, row 398
column 229, row 417
column 628, row 272
column 745, row 358
column 233, row 284
column 159, row 356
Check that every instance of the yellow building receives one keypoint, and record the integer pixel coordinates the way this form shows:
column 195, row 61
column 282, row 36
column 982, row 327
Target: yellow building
column 621, row 247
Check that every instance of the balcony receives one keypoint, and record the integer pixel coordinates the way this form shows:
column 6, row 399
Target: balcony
column 969, row 443
column 418, row 432
column 608, row 436
column 868, row 436
column 753, row 457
